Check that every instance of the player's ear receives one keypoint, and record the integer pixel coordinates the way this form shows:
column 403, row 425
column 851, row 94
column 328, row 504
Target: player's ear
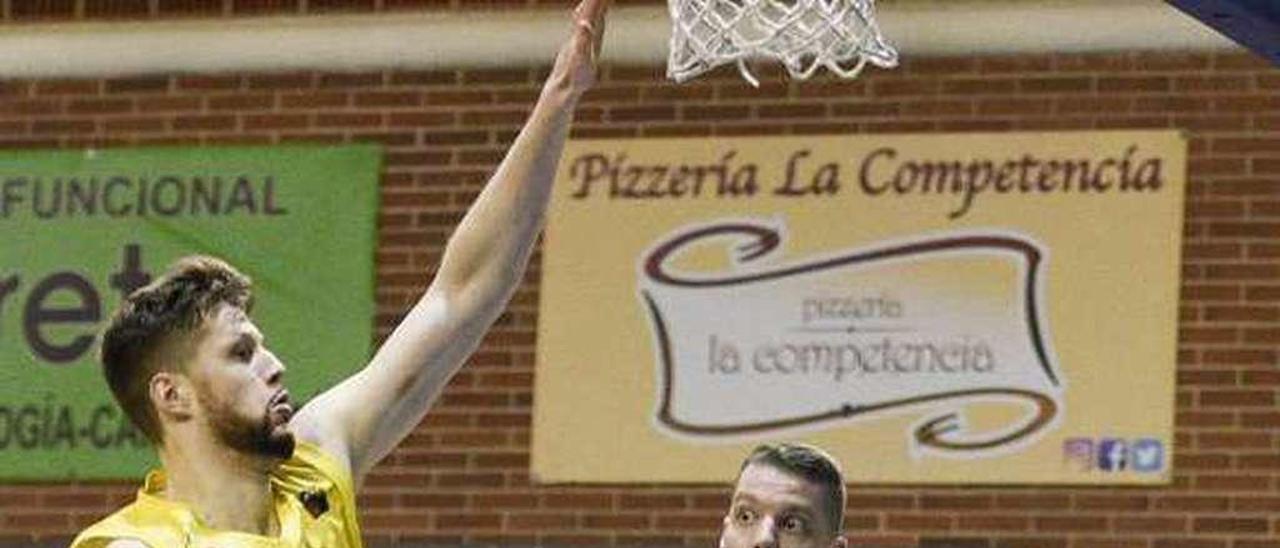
column 172, row 395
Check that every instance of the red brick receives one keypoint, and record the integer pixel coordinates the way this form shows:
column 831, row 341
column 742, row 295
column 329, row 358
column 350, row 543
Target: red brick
column 919, row 522
column 1256, row 187
column 1242, row 313
column 1208, row 335
column 47, row 9
column 540, row 521
column 501, row 460
column 981, row 86
column 1192, row 503
column 1188, row 543
column 1113, row 502
column 579, row 500
column 1031, row 542
column 1083, row 542
column 1150, row 524
column 1223, row 83
column 495, row 76
column 1236, row 398
column 1142, row 84
column 687, row 522
column 1218, row 251
column 100, row 106
column 281, row 81
column 138, row 84
column 615, row 521
column 956, row 502
column 1246, row 103
column 442, row 77
column 350, row 80
column 66, row 87
column 167, row 104
column 62, row 126
column 1239, row 356
column 938, row 65
column 1000, row 64
column 242, row 101
column 1261, row 335
column 1262, row 293
column 192, row 7
column 642, row 501
column 993, row 523
column 472, row 520
column 1234, row 440
column 1230, row 525
column 1262, row 419
column 1243, row 272
column 1014, row 106
column 1171, row 104
column 873, row 501
column 1258, row 462
column 1093, row 105
column 1069, row 523
column 203, row 82
column 1257, row 544
column 1033, row 502
column 1199, row 292
column 1237, row 483
column 388, row 99
column 208, row 123
column 471, row 481
column 52, row 521
column 1191, row 61
column 575, row 539
column 1205, row 419
column 905, row 87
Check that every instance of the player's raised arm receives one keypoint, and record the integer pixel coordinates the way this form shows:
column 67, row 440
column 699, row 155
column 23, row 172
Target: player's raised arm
column 367, row 415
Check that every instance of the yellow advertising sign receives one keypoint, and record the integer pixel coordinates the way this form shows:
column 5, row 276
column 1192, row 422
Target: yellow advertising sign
column 976, row 308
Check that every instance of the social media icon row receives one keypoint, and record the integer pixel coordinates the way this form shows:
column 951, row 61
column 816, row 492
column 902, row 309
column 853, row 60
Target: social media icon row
column 1143, row 455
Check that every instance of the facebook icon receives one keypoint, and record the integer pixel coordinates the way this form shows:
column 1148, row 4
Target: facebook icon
column 1112, row 455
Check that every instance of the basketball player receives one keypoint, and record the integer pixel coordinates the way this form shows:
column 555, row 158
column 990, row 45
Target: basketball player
column 787, row 496
column 239, row 467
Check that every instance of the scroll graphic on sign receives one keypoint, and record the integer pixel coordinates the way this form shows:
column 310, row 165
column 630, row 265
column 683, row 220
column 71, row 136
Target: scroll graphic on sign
column 749, row 345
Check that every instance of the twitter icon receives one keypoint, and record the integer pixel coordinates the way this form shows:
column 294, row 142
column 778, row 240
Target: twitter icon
column 1148, row 455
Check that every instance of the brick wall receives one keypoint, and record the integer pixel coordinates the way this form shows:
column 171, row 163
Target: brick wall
column 462, row 478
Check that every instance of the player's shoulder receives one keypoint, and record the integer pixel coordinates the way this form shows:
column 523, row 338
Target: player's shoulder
column 126, row 543
column 107, row 542
column 133, row 526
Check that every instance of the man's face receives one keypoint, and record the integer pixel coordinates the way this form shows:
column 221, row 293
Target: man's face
column 774, row 509
column 240, row 386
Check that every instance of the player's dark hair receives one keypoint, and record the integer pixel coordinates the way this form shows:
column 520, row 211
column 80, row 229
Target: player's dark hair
column 154, row 330
column 810, row 464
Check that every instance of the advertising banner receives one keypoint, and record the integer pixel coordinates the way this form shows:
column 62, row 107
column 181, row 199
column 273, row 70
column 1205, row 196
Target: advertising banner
column 974, row 308
column 81, row 229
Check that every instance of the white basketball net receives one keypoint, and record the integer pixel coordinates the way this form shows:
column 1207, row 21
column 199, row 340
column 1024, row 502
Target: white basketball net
column 803, row 34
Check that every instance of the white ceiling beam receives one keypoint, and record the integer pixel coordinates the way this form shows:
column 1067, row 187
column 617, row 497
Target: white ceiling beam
column 523, row 38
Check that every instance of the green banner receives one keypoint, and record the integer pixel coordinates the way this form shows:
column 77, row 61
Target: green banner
column 81, row 229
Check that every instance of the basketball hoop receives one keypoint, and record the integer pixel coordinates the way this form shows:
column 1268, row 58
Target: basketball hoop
column 803, row 35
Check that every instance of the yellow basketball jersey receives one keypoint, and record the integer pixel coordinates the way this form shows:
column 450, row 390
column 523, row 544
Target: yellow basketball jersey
column 314, row 502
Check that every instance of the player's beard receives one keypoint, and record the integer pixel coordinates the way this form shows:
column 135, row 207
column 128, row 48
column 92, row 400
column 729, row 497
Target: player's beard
column 263, row 436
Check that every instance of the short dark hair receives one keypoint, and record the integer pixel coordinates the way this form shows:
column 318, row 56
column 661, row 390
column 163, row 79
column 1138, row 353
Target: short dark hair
column 154, row 328
column 811, row 464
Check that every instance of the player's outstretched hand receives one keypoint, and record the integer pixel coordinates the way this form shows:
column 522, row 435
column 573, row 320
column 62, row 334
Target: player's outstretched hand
column 575, row 67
